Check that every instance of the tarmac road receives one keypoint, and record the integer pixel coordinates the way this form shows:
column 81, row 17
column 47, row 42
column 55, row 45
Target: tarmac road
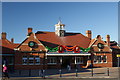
column 69, row 79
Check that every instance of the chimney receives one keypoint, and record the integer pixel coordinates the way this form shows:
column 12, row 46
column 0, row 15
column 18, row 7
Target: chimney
column 12, row 40
column 89, row 34
column 108, row 40
column 29, row 30
column 3, row 35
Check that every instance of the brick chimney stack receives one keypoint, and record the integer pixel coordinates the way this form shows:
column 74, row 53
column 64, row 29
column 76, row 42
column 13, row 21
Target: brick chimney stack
column 89, row 34
column 3, row 36
column 12, row 40
column 29, row 30
column 108, row 40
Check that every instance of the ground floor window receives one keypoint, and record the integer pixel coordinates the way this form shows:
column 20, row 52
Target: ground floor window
column 104, row 58
column 30, row 60
column 25, row 60
column 51, row 60
column 37, row 60
column 79, row 60
column 100, row 59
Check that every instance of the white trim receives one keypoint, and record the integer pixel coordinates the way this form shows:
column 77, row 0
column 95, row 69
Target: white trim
column 94, row 45
column 27, row 44
column 63, row 54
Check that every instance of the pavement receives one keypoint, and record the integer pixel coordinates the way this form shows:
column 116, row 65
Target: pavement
column 84, row 73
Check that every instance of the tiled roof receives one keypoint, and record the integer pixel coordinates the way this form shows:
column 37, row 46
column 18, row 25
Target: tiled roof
column 114, row 45
column 16, row 45
column 50, row 39
column 7, row 46
column 91, row 42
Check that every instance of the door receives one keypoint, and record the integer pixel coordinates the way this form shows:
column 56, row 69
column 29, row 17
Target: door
column 65, row 62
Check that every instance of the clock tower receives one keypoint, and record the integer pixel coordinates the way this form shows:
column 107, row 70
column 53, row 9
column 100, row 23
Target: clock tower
column 60, row 29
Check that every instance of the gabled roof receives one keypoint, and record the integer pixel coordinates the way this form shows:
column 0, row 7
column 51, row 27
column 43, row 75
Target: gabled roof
column 114, row 45
column 7, row 46
column 50, row 39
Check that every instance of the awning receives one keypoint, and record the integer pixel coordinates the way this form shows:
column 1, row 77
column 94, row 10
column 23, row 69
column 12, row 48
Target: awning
column 67, row 54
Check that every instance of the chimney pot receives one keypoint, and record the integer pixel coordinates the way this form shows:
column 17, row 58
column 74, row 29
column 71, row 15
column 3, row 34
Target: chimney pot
column 12, row 40
column 89, row 34
column 29, row 30
column 3, row 35
column 108, row 40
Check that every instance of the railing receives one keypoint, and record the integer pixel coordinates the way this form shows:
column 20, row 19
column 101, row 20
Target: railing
column 55, row 73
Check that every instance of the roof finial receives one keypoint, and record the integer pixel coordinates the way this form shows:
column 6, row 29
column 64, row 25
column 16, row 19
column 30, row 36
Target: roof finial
column 59, row 22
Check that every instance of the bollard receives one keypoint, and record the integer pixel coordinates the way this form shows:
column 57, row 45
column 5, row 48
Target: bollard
column 60, row 72
column 76, row 73
column 29, row 72
column 108, row 71
column 39, row 73
column 44, row 74
column 19, row 72
column 92, row 72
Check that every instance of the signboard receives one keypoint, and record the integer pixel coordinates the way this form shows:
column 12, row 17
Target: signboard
column 118, row 55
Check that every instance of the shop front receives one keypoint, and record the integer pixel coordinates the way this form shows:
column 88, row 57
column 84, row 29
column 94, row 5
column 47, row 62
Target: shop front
column 62, row 60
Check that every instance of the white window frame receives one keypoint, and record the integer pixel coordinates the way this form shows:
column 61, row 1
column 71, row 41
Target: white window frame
column 106, row 59
column 29, row 58
column 37, row 58
column 98, row 59
column 79, row 60
column 95, row 59
column 25, row 58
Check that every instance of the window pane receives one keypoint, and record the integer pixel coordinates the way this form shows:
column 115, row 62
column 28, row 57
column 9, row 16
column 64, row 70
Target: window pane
column 31, row 60
column 95, row 58
column 99, row 58
column 52, row 60
column 104, row 58
column 24, row 59
column 79, row 60
column 37, row 60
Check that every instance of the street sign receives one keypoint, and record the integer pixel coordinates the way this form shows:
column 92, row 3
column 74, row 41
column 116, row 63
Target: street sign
column 118, row 55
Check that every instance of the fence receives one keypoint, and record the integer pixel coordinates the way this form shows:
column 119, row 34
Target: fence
column 84, row 72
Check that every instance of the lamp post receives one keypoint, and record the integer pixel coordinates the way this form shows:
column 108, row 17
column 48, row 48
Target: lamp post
column 118, row 56
column 92, row 57
column 76, row 67
column 60, row 71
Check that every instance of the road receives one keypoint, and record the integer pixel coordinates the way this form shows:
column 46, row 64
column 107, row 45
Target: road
column 69, row 79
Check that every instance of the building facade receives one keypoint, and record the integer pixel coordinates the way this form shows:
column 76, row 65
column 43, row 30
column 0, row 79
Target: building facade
column 45, row 50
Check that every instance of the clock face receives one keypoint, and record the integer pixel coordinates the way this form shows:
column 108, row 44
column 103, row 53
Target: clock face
column 100, row 45
column 31, row 44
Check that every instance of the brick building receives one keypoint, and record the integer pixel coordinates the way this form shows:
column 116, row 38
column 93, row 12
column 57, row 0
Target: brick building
column 42, row 50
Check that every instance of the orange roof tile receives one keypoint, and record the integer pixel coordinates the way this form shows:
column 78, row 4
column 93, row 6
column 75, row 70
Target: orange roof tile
column 70, row 39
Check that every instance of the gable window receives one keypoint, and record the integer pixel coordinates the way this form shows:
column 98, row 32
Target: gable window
column 52, row 60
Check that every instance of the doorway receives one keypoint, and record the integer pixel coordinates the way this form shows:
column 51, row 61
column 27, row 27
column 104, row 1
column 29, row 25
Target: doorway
column 65, row 61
